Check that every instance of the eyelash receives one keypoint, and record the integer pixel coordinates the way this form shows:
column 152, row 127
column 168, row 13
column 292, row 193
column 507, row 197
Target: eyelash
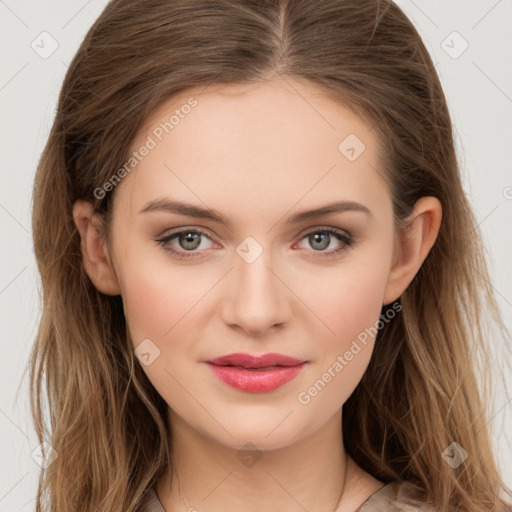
column 347, row 240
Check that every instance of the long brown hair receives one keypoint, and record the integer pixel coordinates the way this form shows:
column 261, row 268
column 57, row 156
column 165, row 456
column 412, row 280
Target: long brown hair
column 420, row 393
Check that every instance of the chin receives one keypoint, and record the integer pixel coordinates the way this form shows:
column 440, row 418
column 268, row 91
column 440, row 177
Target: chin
column 265, row 432
column 250, row 440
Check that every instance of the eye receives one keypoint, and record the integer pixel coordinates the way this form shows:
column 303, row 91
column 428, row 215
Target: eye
column 321, row 239
column 188, row 241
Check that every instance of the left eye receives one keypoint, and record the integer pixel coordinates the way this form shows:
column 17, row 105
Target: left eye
column 321, row 239
column 189, row 241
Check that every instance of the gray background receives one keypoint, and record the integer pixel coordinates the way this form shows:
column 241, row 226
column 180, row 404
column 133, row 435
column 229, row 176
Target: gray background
column 478, row 85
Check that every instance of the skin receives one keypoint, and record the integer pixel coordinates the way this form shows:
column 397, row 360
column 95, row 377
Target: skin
column 257, row 154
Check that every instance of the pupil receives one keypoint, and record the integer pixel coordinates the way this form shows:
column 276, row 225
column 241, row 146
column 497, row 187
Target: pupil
column 322, row 238
column 190, row 240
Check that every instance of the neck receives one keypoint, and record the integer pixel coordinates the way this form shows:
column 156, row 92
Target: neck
column 314, row 474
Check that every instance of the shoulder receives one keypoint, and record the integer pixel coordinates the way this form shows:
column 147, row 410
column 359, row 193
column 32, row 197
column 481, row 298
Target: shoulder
column 397, row 497
column 151, row 503
column 393, row 497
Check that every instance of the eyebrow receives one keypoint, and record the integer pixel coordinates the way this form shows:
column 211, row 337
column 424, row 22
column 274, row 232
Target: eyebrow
column 190, row 210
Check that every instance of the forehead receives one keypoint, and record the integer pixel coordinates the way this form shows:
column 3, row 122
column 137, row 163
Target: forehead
column 277, row 141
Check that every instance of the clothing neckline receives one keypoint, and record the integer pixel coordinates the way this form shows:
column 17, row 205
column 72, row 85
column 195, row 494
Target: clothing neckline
column 155, row 504
column 381, row 492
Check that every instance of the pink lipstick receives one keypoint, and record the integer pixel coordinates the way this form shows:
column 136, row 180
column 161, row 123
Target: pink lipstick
column 255, row 374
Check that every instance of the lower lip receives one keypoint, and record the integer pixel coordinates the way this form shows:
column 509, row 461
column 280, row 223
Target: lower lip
column 255, row 381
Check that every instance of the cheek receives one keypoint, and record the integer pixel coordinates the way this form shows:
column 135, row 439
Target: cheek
column 360, row 302
column 157, row 298
column 161, row 305
column 346, row 299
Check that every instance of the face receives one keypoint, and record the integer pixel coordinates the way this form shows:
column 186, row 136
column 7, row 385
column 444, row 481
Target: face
column 265, row 279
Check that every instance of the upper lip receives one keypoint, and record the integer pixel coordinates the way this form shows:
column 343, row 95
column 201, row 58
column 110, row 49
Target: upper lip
column 250, row 361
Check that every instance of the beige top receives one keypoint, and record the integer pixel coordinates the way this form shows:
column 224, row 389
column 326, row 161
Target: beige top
column 389, row 498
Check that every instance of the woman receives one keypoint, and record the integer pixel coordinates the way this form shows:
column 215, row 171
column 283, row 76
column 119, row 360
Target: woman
column 261, row 273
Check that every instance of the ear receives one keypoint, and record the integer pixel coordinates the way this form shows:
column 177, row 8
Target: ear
column 412, row 245
column 97, row 262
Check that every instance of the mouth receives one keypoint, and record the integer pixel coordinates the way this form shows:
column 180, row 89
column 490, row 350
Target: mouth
column 254, row 369
column 256, row 362
column 255, row 374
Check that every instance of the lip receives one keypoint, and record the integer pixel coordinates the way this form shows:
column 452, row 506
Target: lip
column 243, row 371
column 250, row 361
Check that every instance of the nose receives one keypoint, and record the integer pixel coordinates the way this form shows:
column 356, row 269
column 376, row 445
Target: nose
column 256, row 300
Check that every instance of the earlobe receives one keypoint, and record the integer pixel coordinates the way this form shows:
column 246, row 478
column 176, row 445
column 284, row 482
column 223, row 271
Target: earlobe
column 413, row 243
column 97, row 262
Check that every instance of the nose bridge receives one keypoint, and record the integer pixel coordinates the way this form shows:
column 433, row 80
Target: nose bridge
column 256, row 299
